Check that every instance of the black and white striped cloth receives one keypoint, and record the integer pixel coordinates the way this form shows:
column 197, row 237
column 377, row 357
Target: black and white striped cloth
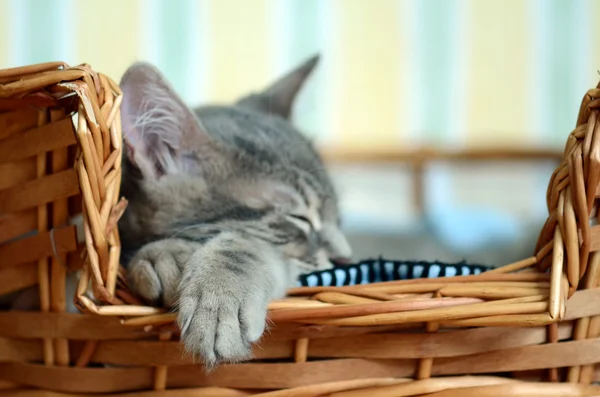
column 378, row 270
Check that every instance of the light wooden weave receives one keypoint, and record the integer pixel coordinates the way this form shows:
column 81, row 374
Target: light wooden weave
column 498, row 333
column 60, row 141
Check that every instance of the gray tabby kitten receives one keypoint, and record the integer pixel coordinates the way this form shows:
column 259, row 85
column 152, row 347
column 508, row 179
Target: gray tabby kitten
column 227, row 205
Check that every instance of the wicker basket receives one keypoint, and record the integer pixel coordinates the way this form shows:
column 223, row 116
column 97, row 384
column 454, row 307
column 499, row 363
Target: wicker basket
column 510, row 331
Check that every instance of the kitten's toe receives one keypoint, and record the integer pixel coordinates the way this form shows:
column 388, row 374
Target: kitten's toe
column 198, row 326
column 230, row 342
column 253, row 319
column 155, row 270
column 212, row 328
column 169, row 273
column 144, row 280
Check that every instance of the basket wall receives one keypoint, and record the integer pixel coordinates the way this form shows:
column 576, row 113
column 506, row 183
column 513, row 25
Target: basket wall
column 58, row 156
column 508, row 329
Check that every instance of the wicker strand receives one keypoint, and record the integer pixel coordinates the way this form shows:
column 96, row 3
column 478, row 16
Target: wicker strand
column 86, row 354
column 301, row 350
column 425, row 364
column 43, row 268
column 160, row 372
column 59, row 162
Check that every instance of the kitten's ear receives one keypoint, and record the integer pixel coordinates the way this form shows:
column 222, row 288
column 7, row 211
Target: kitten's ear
column 157, row 126
column 279, row 97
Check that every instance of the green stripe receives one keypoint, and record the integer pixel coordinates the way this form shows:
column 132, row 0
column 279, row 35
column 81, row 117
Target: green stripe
column 305, row 31
column 436, row 26
column 40, row 19
column 175, row 43
column 560, row 95
column 304, row 35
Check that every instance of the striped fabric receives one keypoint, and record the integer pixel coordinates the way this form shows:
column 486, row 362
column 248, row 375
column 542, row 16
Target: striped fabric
column 451, row 73
column 379, row 270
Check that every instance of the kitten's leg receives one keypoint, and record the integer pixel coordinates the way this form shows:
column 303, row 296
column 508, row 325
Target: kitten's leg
column 225, row 287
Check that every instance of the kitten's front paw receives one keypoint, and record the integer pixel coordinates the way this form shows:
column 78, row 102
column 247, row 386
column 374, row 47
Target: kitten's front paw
column 155, row 270
column 219, row 324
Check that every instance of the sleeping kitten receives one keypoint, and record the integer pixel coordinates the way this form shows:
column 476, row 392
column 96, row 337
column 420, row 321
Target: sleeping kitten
column 226, row 205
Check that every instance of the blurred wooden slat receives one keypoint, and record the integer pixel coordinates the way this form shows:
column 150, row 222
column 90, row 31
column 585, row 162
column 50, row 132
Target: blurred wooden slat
column 594, row 238
column 417, row 160
column 398, row 154
column 38, row 246
column 59, row 217
column 17, row 224
column 47, row 137
column 74, row 326
column 15, row 278
column 29, row 194
column 19, row 120
column 17, row 172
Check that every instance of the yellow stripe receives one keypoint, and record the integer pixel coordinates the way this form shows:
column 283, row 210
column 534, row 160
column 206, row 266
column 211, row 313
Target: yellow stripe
column 367, row 99
column 107, row 35
column 499, row 72
column 4, row 34
column 240, row 44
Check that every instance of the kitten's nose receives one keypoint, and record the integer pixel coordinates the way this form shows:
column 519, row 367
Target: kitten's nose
column 341, row 261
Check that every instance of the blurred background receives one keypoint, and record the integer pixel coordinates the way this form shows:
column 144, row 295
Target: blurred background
column 441, row 120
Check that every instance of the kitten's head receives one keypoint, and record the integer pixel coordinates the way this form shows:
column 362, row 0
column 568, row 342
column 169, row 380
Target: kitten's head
column 242, row 167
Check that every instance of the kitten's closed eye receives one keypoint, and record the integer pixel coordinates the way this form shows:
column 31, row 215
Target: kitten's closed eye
column 302, row 222
column 303, row 218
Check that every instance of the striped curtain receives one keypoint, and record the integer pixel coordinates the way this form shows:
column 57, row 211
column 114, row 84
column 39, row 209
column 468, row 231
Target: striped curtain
column 448, row 73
